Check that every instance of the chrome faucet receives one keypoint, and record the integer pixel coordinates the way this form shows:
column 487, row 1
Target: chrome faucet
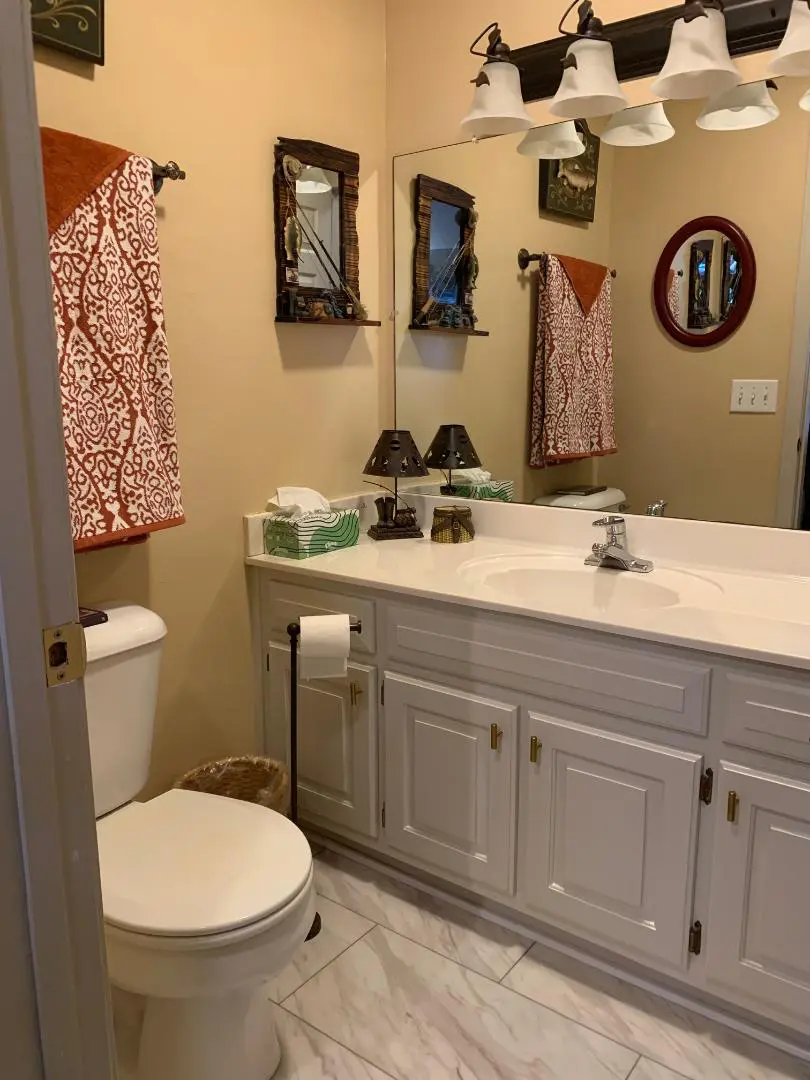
column 657, row 509
column 613, row 554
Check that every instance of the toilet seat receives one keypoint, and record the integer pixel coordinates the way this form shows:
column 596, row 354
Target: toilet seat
column 193, row 865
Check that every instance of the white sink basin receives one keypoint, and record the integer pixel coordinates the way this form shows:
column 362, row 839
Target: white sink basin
column 563, row 580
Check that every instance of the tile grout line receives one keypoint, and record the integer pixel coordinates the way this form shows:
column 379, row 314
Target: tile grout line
column 337, row 1042
column 320, row 970
column 635, row 1066
column 522, row 956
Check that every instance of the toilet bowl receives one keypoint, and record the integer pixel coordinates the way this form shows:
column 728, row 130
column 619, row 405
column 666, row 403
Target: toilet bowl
column 205, row 898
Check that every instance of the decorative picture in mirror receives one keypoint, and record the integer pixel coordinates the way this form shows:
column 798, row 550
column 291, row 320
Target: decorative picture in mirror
column 704, row 282
column 445, row 266
column 568, row 187
column 316, row 192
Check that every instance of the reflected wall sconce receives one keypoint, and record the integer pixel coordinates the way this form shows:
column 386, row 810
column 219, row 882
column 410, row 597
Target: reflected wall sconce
column 497, row 107
column 742, row 107
column 557, row 142
column 589, row 86
column 698, row 63
column 644, row 125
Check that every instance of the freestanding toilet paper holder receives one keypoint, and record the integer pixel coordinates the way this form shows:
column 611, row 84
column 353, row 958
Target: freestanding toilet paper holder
column 294, row 631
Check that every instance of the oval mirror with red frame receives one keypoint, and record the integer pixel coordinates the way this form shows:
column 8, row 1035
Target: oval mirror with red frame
column 704, row 282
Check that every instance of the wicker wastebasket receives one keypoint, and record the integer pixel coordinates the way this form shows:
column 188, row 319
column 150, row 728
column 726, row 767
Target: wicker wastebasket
column 251, row 779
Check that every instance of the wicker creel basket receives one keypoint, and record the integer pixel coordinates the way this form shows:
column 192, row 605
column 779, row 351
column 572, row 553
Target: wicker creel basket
column 251, row 779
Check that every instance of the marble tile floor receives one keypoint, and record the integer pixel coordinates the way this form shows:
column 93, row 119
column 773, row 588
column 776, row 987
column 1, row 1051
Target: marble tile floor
column 400, row 985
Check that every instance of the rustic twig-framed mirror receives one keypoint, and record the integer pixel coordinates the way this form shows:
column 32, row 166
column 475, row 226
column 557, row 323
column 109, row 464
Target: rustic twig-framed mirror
column 445, row 266
column 316, row 194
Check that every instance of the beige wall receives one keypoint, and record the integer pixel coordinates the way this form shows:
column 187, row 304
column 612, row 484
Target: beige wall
column 483, row 382
column 257, row 405
column 677, row 437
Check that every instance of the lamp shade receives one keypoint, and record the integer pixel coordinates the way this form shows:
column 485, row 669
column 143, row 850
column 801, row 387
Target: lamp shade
column 804, row 101
column 742, row 107
column 312, row 181
column 698, row 63
column 589, row 86
column 396, row 455
column 555, row 142
column 452, row 448
column 642, row 126
column 793, row 55
column 497, row 107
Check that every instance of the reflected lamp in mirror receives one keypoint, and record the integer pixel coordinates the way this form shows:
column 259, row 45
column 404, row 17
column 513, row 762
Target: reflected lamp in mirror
column 741, row 107
column 497, row 107
column 793, row 55
column 644, row 125
column 555, row 142
column 316, row 194
column 698, row 63
column 451, row 448
column 705, row 281
column 445, row 266
column 589, row 86
column 397, row 457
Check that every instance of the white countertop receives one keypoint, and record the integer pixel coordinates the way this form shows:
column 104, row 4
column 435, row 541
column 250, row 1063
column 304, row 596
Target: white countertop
column 758, row 615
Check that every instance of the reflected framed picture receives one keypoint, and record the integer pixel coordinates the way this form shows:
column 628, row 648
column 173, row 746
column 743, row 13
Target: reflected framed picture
column 568, row 187
column 70, row 26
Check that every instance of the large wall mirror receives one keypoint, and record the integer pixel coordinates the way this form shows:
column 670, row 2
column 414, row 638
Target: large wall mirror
column 705, row 238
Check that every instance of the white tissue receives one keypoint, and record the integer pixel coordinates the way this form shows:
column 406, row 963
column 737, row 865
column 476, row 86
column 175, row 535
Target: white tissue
column 325, row 645
column 301, row 500
column 472, row 476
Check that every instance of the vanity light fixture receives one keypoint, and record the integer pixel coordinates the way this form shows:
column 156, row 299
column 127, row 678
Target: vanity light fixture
column 589, row 86
column 451, row 448
column 497, row 107
column 742, row 107
column 644, row 125
column 313, row 181
column 793, row 55
column 556, row 142
column 698, row 63
column 804, row 101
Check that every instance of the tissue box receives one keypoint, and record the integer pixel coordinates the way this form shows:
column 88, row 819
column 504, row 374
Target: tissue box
column 498, row 490
column 314, row 534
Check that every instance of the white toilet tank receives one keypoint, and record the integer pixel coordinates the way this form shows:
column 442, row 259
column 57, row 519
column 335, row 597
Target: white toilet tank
column 121, row 684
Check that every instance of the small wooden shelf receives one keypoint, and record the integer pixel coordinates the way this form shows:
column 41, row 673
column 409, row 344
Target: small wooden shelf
column 459, row 331
column 326, row 322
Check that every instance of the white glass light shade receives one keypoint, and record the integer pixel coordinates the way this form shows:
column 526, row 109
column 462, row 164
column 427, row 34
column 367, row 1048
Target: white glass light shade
column 313, row 181
column 793, row 55
column 642, row 126
column 553, row 143
column 742, row 107
column 804, row 101
column 591, row 88
column 497, row 107
column 698, row 63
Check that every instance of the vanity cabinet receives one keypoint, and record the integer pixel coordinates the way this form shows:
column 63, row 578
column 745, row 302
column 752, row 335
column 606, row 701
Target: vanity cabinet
column 337, row 743
column 759, row 912
column 611, row 835
column 450, row 779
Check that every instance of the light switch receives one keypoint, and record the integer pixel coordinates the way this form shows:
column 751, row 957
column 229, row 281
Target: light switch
column 754, row 395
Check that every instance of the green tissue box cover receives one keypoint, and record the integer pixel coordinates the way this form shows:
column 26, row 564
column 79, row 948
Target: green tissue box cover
column 499, row 490
column 313, row 535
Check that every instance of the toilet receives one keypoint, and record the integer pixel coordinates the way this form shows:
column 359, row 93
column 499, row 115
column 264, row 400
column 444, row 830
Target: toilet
column 609, row 500
column 205, row 898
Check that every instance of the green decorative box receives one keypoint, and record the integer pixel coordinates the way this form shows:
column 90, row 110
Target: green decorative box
column 314, row 534
column 497, row 490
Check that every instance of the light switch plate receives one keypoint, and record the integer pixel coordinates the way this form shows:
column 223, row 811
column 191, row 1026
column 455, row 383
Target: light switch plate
column 754, row 395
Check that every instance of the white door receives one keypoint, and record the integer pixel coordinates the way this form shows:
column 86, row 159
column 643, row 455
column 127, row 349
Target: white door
column 54, row 1020
column 450, row 780
column 758, row 929
column 337, row 743
column 321, row 213
column 610, row 835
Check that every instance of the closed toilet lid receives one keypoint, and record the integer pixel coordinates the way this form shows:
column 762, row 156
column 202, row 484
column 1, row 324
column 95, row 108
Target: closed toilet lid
column 187, row 864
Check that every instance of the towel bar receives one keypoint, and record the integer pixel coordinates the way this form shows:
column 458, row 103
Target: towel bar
column 170, row 171
column 525, row 260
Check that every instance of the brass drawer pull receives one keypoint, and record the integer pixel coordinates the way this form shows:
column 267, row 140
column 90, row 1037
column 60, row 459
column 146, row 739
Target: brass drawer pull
column 495, row 734
column 733, row 806
column 535, row 746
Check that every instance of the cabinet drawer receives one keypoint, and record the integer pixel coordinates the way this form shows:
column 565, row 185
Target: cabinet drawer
column 766, row 714
column 642, row 684
column 283, row 603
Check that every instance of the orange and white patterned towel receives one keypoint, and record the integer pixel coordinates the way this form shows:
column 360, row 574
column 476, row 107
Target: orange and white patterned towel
column 117, row 399
column 572, row 411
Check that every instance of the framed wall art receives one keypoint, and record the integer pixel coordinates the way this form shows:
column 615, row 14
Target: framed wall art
column 568, row 187
column 72, row 26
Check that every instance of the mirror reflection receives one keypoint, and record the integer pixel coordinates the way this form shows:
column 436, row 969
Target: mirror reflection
column 629, row 416
column 318, row 194
column 446, row 245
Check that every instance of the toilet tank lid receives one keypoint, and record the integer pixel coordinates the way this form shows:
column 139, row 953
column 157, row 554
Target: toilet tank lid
column 128, row 627
column 600, row 501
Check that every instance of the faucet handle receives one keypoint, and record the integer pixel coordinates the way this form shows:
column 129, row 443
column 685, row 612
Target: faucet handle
column 608, row 522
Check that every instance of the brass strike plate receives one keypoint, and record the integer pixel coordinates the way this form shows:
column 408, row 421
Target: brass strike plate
column 65, row 653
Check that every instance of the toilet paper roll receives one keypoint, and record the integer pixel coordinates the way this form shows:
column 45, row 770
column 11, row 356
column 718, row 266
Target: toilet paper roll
column 325, row 645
